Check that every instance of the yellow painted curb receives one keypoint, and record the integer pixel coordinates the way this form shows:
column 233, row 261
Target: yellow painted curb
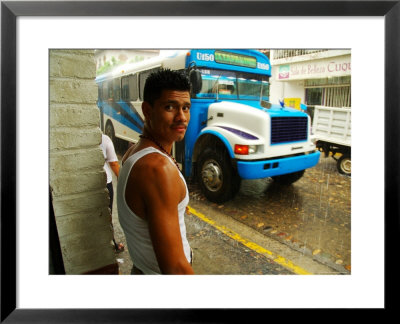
column 251, row 245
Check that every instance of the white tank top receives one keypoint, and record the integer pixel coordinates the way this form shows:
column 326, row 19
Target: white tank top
column 135, row 228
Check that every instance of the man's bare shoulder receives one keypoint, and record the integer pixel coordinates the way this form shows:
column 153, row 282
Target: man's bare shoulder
column 158, row 179
column 154, row 165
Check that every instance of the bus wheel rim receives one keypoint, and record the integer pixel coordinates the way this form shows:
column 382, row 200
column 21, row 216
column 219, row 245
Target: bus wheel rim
column 212, row 175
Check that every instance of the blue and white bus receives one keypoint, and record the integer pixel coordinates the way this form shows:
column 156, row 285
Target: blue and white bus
column 234, row 131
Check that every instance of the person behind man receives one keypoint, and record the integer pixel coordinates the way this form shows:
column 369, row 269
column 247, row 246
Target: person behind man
column 111, row 163
column 152, row 195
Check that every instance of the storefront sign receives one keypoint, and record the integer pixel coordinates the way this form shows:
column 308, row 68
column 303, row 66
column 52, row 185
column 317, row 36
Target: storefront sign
column 336, row 66
column 292, row 102
column 284, row 72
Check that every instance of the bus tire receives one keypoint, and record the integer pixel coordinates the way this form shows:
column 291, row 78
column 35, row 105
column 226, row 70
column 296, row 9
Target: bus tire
column 217, row 178
column 288, row 179
column 344, row 164
column 109, row 131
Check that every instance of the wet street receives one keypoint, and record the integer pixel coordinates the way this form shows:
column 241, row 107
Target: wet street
column 312, row 216
column 308, row 223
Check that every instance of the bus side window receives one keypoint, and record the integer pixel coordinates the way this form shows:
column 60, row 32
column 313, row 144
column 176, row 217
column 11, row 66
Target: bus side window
column 125, row 88
column 142, row 79
column 110, row 90
column 104, row 91
column 117, row 89
column 129, row 89
column 133, row 88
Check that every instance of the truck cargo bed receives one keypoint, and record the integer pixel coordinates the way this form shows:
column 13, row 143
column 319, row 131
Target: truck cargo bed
column 332, row 125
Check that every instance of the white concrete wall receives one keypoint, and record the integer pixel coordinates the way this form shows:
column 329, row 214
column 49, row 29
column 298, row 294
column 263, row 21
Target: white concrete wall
column 77, row 178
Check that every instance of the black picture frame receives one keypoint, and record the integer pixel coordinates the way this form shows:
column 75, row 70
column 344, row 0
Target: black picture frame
column 10, row 10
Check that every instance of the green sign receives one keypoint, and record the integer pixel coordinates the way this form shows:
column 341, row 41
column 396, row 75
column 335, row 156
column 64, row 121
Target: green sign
column 235, row 59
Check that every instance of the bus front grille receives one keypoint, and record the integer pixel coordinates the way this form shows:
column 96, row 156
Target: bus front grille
column 288, row 129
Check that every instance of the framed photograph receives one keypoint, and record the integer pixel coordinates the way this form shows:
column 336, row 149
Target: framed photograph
column 29, row 29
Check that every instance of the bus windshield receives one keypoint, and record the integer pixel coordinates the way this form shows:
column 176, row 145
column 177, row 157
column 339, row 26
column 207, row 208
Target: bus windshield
column 232, row 85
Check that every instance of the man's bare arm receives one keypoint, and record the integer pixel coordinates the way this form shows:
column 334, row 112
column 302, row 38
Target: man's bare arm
column 115, row 167
column 162, row 190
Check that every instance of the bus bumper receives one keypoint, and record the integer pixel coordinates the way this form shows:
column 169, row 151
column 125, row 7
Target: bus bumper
column 271, row 168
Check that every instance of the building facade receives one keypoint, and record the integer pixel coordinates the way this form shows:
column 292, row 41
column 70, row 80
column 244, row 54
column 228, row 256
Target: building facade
column 312, row 77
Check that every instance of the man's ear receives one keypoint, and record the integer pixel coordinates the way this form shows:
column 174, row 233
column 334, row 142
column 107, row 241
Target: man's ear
column 146, row 109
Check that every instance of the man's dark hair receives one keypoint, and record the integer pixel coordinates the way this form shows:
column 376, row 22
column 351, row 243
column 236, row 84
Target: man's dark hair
column 164, row 79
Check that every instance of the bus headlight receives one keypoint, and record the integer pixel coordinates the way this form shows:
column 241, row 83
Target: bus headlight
column 252, row 149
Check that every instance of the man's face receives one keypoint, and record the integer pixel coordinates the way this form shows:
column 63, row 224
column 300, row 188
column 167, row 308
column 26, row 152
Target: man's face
column 169, row 116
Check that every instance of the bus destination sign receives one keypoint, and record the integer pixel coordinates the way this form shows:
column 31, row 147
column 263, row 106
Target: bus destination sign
column 235, row 59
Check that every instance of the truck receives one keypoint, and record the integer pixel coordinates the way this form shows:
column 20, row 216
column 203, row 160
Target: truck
column 234, row 133
column 331, row 130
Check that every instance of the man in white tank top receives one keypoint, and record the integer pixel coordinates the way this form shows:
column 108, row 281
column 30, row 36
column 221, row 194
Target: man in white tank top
column 152, row 194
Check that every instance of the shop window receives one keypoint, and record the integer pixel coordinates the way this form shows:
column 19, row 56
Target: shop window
column 314, row 96
column 334, row 96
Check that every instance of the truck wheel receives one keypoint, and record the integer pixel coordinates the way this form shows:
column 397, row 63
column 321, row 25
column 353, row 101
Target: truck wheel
column 218, row 180
column 344, row 164
column 288, row 179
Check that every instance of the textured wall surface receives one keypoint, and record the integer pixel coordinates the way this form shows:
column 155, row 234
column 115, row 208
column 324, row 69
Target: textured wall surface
column 77, row 178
